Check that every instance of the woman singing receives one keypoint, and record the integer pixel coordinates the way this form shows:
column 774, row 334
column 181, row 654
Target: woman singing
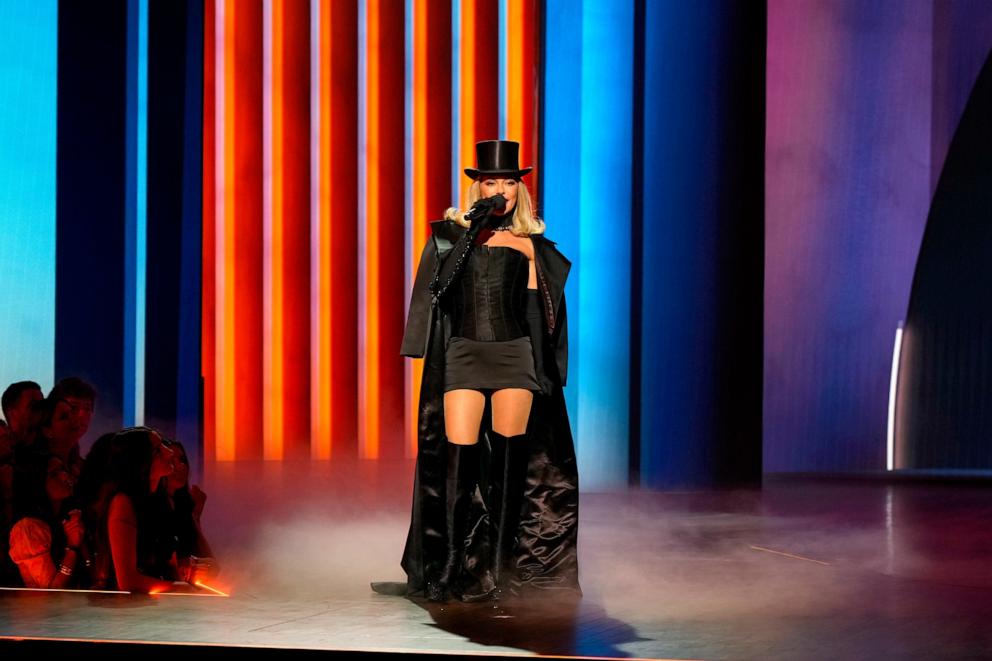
column 495, row 503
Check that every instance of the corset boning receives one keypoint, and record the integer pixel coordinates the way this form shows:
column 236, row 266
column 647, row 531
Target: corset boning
column 489, row 301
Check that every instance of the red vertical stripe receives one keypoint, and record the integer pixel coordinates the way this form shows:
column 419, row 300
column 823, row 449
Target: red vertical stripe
column 245, row 224
column 385, row 179
column 431, row 147
column 295, row 214
column 209, row 292
column 486, row 71
column 335, row 395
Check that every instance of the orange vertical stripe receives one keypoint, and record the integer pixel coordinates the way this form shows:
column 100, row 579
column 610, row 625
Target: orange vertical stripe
column 273, row 342
column 467, row 120
column 419, row 201
column 320, row 444
column 522, row 83
column 370, row 389
column 225, row 445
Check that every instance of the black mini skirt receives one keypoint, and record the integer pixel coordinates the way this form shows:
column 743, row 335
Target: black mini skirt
column 489, row 365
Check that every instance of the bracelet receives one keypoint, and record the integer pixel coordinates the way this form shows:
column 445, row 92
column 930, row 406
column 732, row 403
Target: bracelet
column 65, row 570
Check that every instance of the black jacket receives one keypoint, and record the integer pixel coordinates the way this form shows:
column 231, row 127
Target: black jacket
column 545, row 557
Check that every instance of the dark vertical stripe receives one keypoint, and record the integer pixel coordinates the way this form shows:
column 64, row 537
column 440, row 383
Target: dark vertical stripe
column 90, row 193
column 637, row 247
column 189, row 422
column 166, row 146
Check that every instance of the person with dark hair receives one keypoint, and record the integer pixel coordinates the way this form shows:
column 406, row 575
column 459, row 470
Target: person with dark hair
column 75, row 399
column 121, row 474
column 182, row 507
column 495, row 503
column 16, row 403
column 46, row 542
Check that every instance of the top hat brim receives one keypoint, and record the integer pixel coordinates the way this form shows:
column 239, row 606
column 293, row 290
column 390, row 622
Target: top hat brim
column 514, row 174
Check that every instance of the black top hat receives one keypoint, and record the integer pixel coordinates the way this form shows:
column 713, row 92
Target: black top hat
column 497, row 157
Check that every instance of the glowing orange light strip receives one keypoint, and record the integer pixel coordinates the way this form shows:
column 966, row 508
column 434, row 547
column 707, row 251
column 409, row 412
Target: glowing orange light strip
column 274, row 326
column 467, row 73
column 214, row 592
column 420, row 211
column 321, row 341
column 225, row 260
column 521, row 83
column 217, row 592
column 369, row 409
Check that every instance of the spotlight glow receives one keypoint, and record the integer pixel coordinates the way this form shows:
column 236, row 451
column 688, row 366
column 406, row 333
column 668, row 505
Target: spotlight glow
column 890, row 450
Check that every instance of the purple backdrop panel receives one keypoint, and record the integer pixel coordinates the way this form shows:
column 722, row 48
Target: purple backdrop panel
column 847, row 193
column 962, row 37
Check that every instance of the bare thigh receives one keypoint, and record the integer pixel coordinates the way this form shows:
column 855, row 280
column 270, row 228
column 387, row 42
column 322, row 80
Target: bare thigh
column 511, row 410
column 462, row 415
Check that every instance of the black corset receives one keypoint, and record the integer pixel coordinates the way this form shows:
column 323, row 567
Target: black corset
column 488, row 302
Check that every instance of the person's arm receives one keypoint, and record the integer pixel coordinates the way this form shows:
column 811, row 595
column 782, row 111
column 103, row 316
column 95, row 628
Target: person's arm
column 208, row 566
column 31, row 551
column 535, row 327
column 122, row 531
column 481, row 214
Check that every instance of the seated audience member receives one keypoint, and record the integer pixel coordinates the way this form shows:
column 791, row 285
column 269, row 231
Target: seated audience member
column 18, row 407
column 130, row 551
column 182, row 507
column 46, row 542
column 64, row 420
column 67, row 415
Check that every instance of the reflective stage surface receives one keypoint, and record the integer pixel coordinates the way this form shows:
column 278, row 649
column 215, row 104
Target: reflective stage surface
column 803, row 569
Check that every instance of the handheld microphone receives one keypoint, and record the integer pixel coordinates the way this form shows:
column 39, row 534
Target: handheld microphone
column 485, row 206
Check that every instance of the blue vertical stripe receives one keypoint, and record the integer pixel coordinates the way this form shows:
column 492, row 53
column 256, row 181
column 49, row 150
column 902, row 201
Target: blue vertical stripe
column 588, row 110
column 604, row 279
column 136, row 212
column 188, row 382
column 561, row 95
column 28, row 53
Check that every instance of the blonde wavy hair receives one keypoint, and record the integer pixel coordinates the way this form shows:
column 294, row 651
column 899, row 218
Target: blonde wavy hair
column 525, row 222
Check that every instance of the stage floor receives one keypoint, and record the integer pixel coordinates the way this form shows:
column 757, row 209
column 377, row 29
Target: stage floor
column 802, row 569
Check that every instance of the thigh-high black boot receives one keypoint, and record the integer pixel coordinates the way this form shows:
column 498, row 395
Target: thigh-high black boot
column 509, row 472
column 462, row 478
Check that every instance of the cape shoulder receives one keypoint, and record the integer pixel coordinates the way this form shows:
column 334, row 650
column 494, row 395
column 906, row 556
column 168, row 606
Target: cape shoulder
column 445, row 234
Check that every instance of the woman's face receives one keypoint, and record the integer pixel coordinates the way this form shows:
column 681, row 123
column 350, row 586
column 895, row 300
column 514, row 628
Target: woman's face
column 180, row 475
column 70, row 421
column 488, row 187
column 58, row 482
column 163, row 458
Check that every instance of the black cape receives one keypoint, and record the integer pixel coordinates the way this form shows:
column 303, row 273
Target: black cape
column 545, row 558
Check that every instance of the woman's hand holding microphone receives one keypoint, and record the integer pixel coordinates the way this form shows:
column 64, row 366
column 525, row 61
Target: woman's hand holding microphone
column 482, row 211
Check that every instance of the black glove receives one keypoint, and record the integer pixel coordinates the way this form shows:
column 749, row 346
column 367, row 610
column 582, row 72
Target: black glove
column 535, row 324
column 482, row 211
